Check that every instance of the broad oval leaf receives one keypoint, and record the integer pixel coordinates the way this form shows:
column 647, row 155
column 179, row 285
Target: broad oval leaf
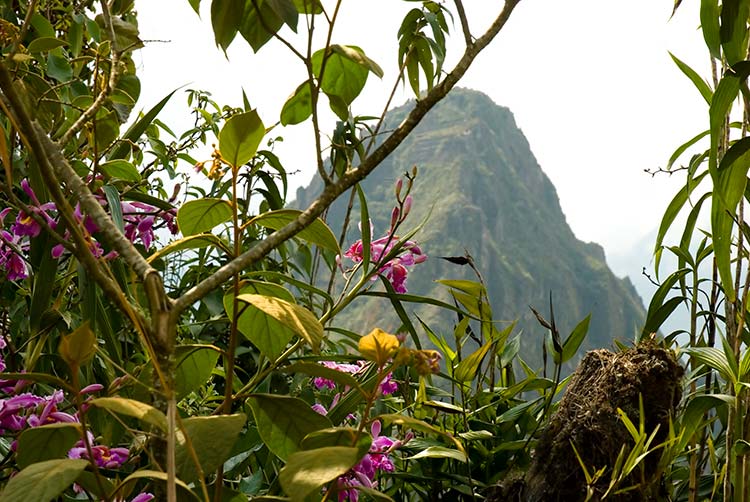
column 198, row 216
column 317, row 232
column 46, row 442
column 298, row 107
column 264, row 331
column 283, row 422
column 132, row 408
column 307, row 470
column 121, row 169
column 297, row 318
column 212, row 438
column 240, row 137
column 43, row 481
column 225, row 18
column 44, row 44
column 195, row 363
column 342, row 76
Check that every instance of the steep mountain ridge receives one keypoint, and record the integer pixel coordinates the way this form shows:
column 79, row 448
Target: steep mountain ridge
column 486, row 195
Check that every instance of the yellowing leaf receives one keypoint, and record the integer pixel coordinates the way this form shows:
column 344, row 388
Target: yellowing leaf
column 298, row 319
column 79, row 346
column 378, row 346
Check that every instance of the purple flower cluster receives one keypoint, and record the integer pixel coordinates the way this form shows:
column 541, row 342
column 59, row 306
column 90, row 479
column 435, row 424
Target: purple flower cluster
column 23, row 410
column 363, row 474
column 139, row 220
column 387, row 386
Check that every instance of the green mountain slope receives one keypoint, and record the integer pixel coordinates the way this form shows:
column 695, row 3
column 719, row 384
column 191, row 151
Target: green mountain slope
column 487, row 196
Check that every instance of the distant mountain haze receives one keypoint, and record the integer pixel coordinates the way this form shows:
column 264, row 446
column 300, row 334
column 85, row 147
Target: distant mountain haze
column 486, row 195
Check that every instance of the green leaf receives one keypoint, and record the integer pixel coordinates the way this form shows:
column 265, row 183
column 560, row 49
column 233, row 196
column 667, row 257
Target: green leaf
column 342, row 77
column 46, row 442
column 308, row 6
column 121, row 149
column 574, row 340
column 195, row 363
column 439, row 452
column 731, row 177
column 212, row 438
column 472, row 288
column 267, row 333
column 284, row 421
column 657, row 318
column 225, row 18
column 197, row 216
column 132, row 408
column 285, row 10
column 733, row 30
column 709, row 15
column 121, row 169
column 317, row 232
column 714, row 358
column 419, row 425
column 337, row 436
column 297, row 318
column 185, row 491
column 468, row 368
column 198, row 241
column 256, row 32
column 43, row 481
column 306, row 471
column 45, row 44
column 240, row 137
column 697, row 81
column 675, row 207
column 695, row 410
column 79, row 346
column 298, row 107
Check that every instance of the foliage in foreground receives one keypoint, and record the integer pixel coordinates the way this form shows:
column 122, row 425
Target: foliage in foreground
column 136, row 365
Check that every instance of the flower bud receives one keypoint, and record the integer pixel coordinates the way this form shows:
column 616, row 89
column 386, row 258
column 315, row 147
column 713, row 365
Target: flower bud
column 407, row 206
column 399, row 184
column 394, row 217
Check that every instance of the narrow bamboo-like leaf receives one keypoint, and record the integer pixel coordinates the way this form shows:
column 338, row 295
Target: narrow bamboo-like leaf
column 212, row 438
column 46, row 442
column 714, row 358
column 284, row 421
column 198, row 241
column 733, row 30
column 674, row 208
column 468, row 368
column 132, row 408
column 419, row 425
column 709, row 15
column 201, row 215
column 297, row 318
column 657, row 318
column 695, row 410
column 439, row 452
column 43, row 481
column 240, row 137
column 574, row 340
column 120, row 151
column 317, row 232
column 470, row 287
column 699, row 83
column 683, row 148
column 306, row 471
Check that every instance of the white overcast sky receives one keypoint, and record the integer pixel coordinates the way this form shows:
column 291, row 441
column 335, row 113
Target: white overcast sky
column 590, row 83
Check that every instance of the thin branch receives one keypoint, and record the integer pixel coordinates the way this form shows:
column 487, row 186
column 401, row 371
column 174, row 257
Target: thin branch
column 350, row 178
column 114, row 76
column 23, row 30
column 464, row 22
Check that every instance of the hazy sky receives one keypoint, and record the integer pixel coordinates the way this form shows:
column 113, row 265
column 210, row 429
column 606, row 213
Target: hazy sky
column 590, row 83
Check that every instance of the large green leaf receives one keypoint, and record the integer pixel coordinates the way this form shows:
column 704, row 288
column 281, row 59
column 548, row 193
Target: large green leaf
column 267, row 333
column 132, row 408
column 733, row 30
column 43, row 481
column 284, row 421
column 195, row 363
column 259, row 24
column 308, row 470
column 46, row 442
column 298, row 107
column 212, row 438
column 345, row 72
column 714, row 358
column 240, row 137
column 297, row 318
column 225, row 18
column 317, row 232
column 120, row 169
column 709, row 14
column 197, row 216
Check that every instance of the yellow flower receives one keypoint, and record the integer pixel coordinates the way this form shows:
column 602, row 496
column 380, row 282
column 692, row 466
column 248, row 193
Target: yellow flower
column 378, row 346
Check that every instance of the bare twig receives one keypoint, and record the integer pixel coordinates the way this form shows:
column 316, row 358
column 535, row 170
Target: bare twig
column 464, row 22
column 350, row 178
